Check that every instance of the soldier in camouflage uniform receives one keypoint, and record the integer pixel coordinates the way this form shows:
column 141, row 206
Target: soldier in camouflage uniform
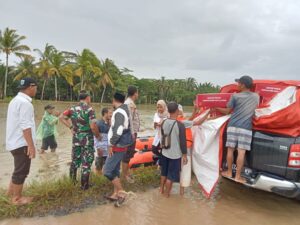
column 83, row 126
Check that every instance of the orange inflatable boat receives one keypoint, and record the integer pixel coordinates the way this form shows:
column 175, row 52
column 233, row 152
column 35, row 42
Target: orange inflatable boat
column 144, row 155
column 144, row 142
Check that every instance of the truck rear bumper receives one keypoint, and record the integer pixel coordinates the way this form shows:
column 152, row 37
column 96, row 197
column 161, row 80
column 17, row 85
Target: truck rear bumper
column 276, row 185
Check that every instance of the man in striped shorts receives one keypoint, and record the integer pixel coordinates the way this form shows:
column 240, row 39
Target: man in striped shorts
column 239, row 131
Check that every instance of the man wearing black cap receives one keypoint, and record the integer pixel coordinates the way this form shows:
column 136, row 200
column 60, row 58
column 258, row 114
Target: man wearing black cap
column 239, row 131
column 20, row 137
column 119, row 139
column 84, row 128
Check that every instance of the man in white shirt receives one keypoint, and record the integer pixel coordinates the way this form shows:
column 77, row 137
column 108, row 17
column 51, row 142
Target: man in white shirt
column 135, row 126
column 20, row 136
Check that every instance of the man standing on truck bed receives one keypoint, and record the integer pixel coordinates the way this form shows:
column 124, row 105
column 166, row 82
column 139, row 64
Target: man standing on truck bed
column 239, row 131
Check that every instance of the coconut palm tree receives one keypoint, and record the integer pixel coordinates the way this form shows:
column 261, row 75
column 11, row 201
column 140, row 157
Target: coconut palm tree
column 60, row 68
column 2, row 72
column 163, row 88
column 53, row 63
column 10, row 43
column 43, row 68
column 24, row 68
column 107, row 68
column 87, row 65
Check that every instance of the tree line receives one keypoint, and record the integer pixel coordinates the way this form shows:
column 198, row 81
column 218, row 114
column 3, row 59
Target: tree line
column 62, row 74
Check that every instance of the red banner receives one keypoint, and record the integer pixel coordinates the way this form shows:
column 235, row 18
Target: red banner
column 268, row 91
column 213, row 100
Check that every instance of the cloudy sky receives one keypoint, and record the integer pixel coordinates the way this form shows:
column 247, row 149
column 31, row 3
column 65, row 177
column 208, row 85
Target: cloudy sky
column 210, row 40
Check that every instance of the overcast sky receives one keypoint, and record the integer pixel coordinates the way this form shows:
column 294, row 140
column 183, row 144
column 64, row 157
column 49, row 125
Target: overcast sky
column 212, row 40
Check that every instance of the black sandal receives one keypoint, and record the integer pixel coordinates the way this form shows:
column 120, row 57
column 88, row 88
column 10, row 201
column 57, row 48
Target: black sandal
column 120, row 201
column 107, row 197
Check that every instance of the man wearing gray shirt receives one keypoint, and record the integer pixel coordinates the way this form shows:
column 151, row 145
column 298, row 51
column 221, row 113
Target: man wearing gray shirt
column 239, row 131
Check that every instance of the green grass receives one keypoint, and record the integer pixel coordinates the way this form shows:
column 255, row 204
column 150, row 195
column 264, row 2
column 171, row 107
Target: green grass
column 61, row 196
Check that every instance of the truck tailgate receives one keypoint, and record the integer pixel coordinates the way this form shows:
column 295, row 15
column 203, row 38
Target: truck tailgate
column 270, row 153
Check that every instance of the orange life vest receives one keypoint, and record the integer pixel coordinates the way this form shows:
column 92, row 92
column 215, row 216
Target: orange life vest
column 188, row 133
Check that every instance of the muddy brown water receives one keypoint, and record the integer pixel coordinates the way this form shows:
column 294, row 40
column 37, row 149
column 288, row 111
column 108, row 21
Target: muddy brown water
column 231, row 204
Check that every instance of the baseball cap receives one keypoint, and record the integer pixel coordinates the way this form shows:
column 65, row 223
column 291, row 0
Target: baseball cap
column 246, row 80
column 83, row 94
column 49, row 107
column 27, row 82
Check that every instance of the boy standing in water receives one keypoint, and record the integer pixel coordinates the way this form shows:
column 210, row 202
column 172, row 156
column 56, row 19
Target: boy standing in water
column 174, row 150
column 47, row 129
column 102, row 145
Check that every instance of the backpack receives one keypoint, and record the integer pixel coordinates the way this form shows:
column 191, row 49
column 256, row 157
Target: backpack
column 166, row 138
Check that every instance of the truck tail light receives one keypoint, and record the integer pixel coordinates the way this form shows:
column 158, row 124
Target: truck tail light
column 294, row 156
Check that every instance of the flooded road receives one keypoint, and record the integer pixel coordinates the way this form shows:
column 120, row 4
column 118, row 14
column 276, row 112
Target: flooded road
column 231, row 204
column 48, row 166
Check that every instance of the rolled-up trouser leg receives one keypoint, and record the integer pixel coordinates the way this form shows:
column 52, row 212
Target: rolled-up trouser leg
column 111, row 168
column 22, row 164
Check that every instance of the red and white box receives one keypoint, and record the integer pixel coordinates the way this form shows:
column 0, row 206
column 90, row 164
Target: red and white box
column 213, row 100
column 268, row 91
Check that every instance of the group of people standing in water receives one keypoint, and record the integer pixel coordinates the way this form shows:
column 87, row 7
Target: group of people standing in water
column 114, row 137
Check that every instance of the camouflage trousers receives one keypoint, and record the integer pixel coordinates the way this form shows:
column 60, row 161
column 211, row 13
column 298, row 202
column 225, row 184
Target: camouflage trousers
column 82, row 156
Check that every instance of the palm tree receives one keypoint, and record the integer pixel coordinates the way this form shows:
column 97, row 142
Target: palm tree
column 24, row 68
column 191, row 84
column 107, row 67
column 43, row 68
column 53, row 63
column 163, row 88
column 10, row 43
column 87, row 65
column 60, row 68
column 2, row 72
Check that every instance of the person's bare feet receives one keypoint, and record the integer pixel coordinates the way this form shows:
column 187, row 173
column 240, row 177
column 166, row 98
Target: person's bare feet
column 241, row 180
column 9, row 191
column 22, row 201
column 114, row 196
column 42, row 151
column 129, row 179
column 182, row 191
column 226, row 174
column 167, row 195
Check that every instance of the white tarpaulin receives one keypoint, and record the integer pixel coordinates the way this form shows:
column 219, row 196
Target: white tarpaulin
column 279, row 102
column 205, row 158
column 206, row 149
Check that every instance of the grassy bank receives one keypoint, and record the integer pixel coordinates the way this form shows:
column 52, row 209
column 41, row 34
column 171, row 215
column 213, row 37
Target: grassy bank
column 61, row 197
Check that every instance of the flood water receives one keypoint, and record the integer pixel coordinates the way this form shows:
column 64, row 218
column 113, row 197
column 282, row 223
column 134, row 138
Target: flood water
column 231, row 204
column 47, row 166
